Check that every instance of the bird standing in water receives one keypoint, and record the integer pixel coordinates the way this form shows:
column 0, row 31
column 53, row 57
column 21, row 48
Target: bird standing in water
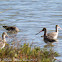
column 11, row 29
column 50, row 37
column 3, row 40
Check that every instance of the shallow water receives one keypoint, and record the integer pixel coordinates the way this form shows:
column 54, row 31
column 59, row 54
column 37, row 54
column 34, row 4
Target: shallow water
column 30, row 17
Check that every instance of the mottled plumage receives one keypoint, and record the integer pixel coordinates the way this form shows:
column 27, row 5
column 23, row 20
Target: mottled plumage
column 11, row 28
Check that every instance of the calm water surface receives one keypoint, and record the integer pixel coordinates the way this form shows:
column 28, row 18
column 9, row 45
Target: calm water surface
column 30, row 16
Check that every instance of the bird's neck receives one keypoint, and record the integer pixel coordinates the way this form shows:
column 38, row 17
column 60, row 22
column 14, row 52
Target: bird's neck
column 45, row 32
column 3, row 38
column 57, row 29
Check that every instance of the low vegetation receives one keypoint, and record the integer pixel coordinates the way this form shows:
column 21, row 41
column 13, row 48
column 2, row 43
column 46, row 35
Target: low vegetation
column 27, row 54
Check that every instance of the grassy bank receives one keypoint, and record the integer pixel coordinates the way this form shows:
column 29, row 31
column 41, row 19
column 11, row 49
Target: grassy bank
column 27, row 54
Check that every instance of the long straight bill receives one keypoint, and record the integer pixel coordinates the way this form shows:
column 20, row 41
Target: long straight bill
column 38, row 33
column 60, row 28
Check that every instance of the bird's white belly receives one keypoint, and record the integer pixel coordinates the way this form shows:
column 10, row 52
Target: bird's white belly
column 55, row 37
column 3, row 46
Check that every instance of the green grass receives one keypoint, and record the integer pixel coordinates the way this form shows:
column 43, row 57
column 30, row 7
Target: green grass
column 27, row 54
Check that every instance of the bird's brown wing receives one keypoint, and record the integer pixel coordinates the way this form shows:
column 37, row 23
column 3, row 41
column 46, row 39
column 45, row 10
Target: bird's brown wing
column 52, row 35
